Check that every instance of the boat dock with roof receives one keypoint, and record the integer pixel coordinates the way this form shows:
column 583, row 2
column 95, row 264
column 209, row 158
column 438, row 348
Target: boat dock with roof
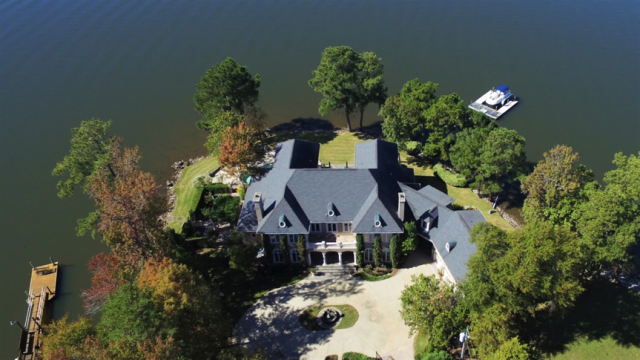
column 42, row 289
column 503, row 102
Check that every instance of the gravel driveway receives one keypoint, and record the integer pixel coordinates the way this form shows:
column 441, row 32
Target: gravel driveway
column 273, row 323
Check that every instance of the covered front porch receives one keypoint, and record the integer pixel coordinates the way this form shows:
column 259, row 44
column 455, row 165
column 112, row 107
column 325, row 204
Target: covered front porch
column 323, row 258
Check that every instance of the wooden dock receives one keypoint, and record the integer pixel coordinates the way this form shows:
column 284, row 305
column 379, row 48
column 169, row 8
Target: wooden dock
column 42, row 289
column 478, row 105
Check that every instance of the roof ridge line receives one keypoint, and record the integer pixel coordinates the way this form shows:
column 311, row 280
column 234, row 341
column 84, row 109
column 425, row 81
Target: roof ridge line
column 463, row 222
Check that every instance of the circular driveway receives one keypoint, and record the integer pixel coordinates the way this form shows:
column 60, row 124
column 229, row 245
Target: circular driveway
column 272, row 323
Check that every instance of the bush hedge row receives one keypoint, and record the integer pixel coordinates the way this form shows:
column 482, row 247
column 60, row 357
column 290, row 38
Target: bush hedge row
column 450, row 178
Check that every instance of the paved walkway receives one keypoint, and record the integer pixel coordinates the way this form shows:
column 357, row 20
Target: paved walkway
column 273, row 324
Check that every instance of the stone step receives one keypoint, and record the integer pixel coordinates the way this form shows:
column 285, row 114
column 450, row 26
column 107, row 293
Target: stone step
column 336, row 270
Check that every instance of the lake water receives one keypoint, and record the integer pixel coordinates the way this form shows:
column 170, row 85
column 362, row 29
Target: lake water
column 574, row 65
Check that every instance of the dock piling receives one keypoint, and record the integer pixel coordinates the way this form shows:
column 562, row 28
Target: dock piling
column 17, row 322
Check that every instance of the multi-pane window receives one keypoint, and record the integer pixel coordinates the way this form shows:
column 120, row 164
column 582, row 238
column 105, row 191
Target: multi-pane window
column 332, row 227
column 386, row 255
column 315, row 227
column 292, row 239
column 277, row 256
column 295, row 256
column 346, row 227
column 368, row 255
column 274, row 239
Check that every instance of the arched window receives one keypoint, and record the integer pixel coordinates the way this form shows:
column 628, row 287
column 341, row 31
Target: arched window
column 368, row 255
column 277, row 256
column 386, row 255
column 295, row 256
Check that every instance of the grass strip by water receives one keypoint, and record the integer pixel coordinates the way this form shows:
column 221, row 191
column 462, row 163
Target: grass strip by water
column 188, row 196
column 309, row 317
column 356, row 356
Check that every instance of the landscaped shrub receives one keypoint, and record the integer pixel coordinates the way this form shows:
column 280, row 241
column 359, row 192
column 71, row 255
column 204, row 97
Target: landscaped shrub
column 359, row 250
column 284, row 247
column 302, row 249
column 394, row 248
column 199, row 182
column 241, row 192
column 410, row 242
column 438, row 355
column 224, row 208
column 377, row 251
column 266, row 245
column 450, row 178
column 218, row 188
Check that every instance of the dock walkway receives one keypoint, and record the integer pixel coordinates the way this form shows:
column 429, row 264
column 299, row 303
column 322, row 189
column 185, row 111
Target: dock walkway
column 41, row 290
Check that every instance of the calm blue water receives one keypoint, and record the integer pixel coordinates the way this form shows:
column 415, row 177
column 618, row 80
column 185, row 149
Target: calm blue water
column 575, row 66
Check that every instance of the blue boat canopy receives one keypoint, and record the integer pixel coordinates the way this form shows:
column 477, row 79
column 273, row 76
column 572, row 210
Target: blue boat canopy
column 502, row 88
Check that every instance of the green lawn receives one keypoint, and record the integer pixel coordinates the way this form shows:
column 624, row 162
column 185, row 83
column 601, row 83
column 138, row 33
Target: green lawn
column 187, row 196
column 463, row 196
column 335, row 148
column 604, row 324
column 309, row 317
column 603, row 349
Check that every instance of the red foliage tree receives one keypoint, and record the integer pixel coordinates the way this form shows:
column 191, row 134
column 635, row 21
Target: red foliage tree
column 129, row 206
column 109, row 272
column 239, row 149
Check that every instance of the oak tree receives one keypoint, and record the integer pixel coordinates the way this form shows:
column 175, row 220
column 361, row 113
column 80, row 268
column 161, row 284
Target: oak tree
column 556, row 186
column 430, row 306
column 486, row 154
column 443, row 119
column 403, row 113
column 129, row 206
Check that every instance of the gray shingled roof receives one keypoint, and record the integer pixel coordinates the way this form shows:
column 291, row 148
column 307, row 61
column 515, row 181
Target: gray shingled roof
column 358, row 194
column 452, row 228
column 437, row 195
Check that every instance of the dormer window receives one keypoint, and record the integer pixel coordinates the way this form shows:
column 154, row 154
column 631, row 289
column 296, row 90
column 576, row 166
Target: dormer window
column 282, row 222
column 331, row 210
column 376, row 221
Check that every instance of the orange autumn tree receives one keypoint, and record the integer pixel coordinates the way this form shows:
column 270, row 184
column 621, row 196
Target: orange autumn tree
column 185, row 297
column 129, row 206
column 239, row 149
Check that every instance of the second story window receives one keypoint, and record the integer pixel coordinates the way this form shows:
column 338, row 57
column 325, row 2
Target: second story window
column 315, row 227
column 347, row 227
column 332, row 227
column 292, row 239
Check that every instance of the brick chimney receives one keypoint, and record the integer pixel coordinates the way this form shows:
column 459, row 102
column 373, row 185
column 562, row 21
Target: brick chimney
column 257, row 205
column 401, row 204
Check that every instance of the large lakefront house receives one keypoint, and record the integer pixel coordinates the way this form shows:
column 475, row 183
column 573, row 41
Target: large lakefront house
column 329, row 205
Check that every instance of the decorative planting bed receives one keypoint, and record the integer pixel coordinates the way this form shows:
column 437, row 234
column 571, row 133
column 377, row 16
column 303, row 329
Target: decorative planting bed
column 329, row 317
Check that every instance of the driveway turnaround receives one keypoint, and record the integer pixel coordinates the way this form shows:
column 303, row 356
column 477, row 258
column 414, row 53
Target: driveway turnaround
column 272, row 324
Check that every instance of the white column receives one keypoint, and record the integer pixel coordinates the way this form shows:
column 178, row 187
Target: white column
column 324, row 259
column 355, row 258
column 340, row 258
column 309, row 258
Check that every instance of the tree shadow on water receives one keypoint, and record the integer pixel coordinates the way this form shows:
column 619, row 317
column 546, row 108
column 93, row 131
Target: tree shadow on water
column 305, row 124
column 604, row 310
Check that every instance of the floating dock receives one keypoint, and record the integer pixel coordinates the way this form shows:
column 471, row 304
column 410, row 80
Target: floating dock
column 42, row 289
column 478, row 105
